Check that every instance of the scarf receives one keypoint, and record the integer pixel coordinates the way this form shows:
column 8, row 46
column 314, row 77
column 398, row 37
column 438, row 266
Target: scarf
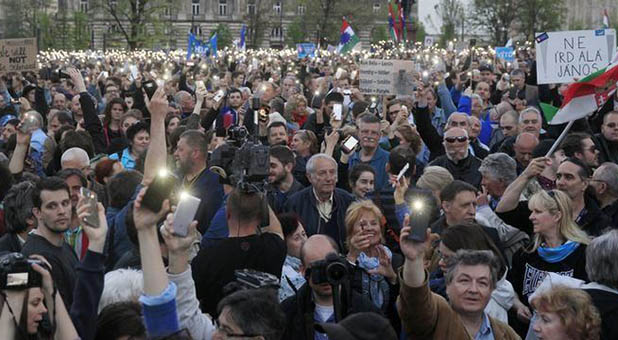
column 557, row 254
column 369, row 263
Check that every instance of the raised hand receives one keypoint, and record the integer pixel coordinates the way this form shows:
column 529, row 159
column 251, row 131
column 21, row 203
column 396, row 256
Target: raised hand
column 143, row 217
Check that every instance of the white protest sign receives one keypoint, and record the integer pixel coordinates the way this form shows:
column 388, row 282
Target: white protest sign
column 386, row 77
column 562, row 57
column 17, row 55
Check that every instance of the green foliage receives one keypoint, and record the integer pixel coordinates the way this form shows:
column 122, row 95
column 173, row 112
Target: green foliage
column 224, row 36
column 379, row 33
column 494, row 17
column 451, row 12
column 296, row 33
column 540, row 16
column 420, row 31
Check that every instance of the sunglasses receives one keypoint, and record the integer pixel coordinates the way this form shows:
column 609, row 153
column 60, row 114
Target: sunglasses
column 459, row 139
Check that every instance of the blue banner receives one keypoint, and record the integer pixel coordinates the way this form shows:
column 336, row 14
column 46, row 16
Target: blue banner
column 201, row 48
column 305, row 50
column 505, row 53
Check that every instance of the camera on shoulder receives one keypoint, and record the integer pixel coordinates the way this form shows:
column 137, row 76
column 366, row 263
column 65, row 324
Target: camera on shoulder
column 334, row 269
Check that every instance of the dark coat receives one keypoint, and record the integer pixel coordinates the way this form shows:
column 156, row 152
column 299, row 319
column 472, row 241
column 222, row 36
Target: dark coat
column 299, row 312
column 304, row 204
column 466, row 170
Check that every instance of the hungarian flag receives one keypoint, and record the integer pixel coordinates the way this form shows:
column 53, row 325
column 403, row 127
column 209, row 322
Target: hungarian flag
column 588, row 94
column 349, row 39
column 392, row 28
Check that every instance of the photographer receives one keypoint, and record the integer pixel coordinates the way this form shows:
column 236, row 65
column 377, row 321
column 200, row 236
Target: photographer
column 22, row 310
column 313, row 303
column 247, row 247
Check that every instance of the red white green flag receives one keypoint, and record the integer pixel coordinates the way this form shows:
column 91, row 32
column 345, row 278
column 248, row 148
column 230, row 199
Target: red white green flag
column 588, row 94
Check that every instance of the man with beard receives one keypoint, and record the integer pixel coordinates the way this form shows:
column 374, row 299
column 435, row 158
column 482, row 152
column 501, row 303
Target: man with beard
column 458, row 160
column 282, row 182
column 52, row 207
column 190, row 155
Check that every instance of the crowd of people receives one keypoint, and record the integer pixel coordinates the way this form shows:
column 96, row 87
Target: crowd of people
column 513, row 243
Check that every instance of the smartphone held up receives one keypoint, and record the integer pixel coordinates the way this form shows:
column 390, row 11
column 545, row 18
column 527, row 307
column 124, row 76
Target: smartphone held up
column 90, row 198
column 185, row 213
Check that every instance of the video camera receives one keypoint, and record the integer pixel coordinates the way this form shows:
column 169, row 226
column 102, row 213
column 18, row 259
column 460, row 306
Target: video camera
column 243, row 163
column 332, row 270
column 16, row 272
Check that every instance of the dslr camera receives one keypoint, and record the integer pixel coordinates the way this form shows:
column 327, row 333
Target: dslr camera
column 333, row 270
column 16, row 272
column 243, row 163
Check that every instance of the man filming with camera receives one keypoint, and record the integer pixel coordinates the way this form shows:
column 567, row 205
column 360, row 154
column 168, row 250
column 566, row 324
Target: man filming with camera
column 247, row 247
column 315, row 301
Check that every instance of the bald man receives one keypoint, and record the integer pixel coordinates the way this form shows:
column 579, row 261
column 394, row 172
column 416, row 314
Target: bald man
column 524, row 144
column 458, row 160
column 317, row 299
column 77, row 158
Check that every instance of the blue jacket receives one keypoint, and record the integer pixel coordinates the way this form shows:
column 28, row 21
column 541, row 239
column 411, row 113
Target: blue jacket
column 207, row 188
column 378, row 162
column 304, row 204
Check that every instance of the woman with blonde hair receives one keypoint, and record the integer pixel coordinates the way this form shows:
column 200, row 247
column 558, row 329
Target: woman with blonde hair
column 304, row 144
column 435, row 178
column 558, row 246
column 375, row 267
column 566, row 314
column 296, row 111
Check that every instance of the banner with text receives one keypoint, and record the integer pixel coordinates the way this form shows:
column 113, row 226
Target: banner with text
column 505, row 53
column 563, row 57
column 386, row 77
column 17, row 55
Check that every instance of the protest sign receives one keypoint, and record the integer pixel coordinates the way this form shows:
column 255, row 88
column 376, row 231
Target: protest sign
column 563, row 57
column 305, row 50
column 386, row 77
column 429, row 41
column 505, row 53
column 17, row 55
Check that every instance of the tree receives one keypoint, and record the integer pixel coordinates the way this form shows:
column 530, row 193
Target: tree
column 420, row 31
column 379, row 33
column 451, row 13
column 224, row 36
column 137, row 21
column 540, row 16
column 296, row 33
column 495, row 17
column 257, row 21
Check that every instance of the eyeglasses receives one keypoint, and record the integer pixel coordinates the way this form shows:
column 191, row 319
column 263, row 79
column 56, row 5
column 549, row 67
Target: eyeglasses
column 227, row 332
column 459, row 139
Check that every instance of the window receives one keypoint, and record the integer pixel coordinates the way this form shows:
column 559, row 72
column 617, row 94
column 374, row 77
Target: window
column 222, row 7
column 196, row 30
column 302, row 9
column 251, row 7
column 376, row 7
column 277, row 7
column 195, row 7
column 276, row 32
column 167, row 11
column 112, row 4
column 83, row 6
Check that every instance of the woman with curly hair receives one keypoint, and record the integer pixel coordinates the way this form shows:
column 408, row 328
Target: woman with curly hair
column 566, row 314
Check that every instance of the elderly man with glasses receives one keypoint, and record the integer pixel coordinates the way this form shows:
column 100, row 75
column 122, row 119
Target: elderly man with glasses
column 457, row 159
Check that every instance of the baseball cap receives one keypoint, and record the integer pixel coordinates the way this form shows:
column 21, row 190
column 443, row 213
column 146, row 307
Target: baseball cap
column 6, row 119
column 359, row 326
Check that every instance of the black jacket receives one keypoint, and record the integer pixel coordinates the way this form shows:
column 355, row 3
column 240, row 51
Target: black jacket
column 608, row 151
column 593, row 221
column 466, row 170
column 10, row 243
column 299, row 311
column 607, row 304
column 304, row 204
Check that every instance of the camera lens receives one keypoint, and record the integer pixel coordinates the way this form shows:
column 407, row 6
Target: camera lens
column 336, row 272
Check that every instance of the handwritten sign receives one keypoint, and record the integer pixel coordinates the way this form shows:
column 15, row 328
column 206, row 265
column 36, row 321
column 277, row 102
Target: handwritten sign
column 562, row 57
column 386, row 77
column 17, row 55
column 505, row 53
column 305, row 50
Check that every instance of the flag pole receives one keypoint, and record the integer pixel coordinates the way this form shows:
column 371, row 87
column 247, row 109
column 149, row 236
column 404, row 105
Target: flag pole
column 560, row 138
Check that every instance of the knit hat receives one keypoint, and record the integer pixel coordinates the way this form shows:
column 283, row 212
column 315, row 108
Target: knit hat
column 359, row 326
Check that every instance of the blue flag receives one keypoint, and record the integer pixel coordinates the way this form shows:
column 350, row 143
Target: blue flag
column 242, row 44
column 201, row 48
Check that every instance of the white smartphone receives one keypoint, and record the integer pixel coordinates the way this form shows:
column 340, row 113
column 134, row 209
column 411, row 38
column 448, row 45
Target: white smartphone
column 200, row 86
column 337, row 111
column 349, row 144
column 219, row 95
column 185, row 214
